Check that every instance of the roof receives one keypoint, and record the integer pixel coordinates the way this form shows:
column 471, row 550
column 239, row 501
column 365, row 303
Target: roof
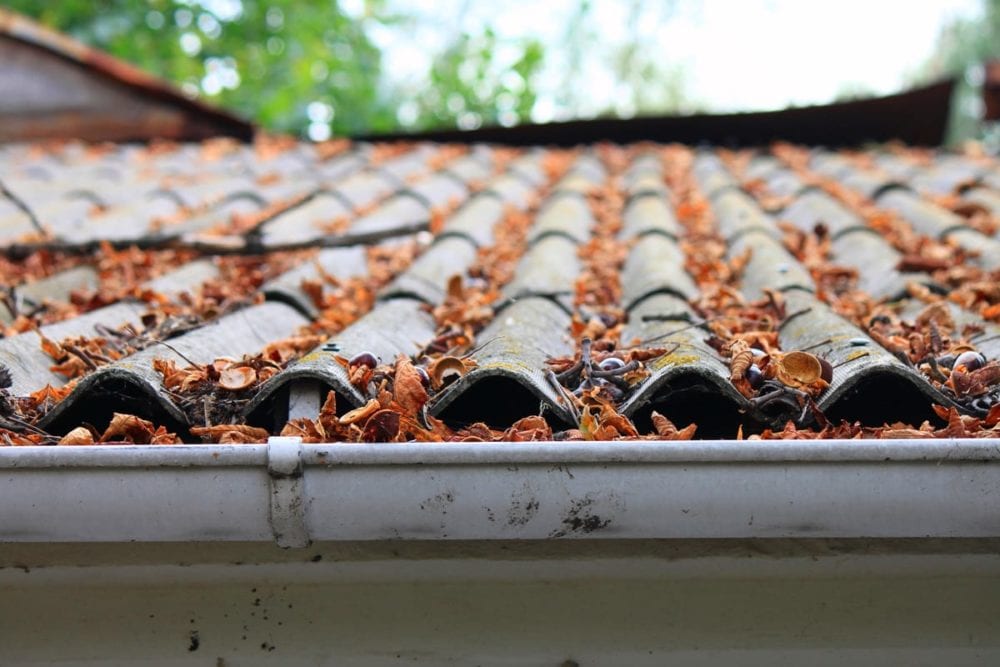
column 68, row 90
column 918, row 117
column 221, row 291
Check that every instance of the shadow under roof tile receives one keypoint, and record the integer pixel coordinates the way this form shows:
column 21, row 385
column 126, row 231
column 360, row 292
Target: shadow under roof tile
column 510, row 360
column 132, row 385
column 689, row 384
column 864, row 373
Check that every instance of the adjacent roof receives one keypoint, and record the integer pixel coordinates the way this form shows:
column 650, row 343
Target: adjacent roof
column 223, row 291
column 67, row 90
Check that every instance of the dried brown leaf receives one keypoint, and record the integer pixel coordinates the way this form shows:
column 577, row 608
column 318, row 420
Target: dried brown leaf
column 81, row 435
column 408, row 387
column 231, row 434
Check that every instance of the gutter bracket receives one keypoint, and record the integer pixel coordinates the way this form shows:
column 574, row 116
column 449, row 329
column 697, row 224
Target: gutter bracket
column 287, row 514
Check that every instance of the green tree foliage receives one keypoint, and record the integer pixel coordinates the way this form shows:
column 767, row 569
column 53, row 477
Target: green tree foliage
column 298, row 66
column 472, row 84
column 962, row 47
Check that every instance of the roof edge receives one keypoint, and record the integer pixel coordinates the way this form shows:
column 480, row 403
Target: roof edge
column 918, row 116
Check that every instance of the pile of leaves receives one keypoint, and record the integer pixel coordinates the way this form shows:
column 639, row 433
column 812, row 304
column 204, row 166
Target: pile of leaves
column 397, row 413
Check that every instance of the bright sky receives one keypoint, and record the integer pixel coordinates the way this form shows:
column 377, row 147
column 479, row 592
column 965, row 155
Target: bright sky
column 736, row 54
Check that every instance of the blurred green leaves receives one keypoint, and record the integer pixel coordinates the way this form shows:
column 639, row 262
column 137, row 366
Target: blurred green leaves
column 303, row 67
column 962, row 47
column 479, row 81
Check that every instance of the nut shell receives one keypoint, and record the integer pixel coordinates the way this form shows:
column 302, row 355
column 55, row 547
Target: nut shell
column 445, row 370
column 798, row 369
column 237, row 378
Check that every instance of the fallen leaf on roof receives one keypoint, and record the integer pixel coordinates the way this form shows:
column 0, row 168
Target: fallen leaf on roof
column 231, row 434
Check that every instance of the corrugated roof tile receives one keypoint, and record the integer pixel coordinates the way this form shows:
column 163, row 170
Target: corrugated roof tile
column 666, row 248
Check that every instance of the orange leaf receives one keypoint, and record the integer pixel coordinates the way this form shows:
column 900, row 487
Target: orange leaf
column 51, row 348
column 991, row 312
column 383, row 426
column 128, row 428
column 668, row 431
column 408, row 387
column 359, row 414
column 232, row 434
column 78, row 436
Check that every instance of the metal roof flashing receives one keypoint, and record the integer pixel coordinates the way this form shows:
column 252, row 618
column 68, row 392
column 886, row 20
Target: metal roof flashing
column 293, row 494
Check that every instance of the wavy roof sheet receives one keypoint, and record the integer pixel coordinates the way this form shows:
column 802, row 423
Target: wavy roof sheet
column 101, row 237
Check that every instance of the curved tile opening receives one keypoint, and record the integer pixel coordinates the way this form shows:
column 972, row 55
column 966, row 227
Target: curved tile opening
column 688, row 396
column 497, row 399
column 882, row 396
column 270, row 407
column 98, row 397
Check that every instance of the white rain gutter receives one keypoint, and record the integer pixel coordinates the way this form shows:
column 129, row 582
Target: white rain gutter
column 294, row 494
column 448, row 553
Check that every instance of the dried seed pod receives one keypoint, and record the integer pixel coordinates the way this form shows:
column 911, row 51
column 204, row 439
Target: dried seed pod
column 946, row 360
column 238, row 378
column 611, row 364
column 455, row 289
column 971, row 360
column 445, row 370
column 222, row 363
column 364, row 359
column 798, row 369
column 741, row 358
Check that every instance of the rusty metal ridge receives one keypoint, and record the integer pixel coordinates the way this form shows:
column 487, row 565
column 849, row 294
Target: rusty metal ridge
column 23, row 29
column 917, row 117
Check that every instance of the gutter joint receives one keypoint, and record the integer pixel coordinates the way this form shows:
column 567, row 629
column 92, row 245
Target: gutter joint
column 287, row 510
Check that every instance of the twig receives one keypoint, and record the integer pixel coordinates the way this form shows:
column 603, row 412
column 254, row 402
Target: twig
column 563, row 394
column 20, row 203
column 174, row 350
column 241, row 245
column 81, row 355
